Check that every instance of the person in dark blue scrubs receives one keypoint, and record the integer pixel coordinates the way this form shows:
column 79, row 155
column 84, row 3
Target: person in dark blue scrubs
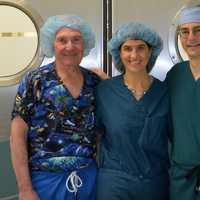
column 184, row 88
column 133, row 120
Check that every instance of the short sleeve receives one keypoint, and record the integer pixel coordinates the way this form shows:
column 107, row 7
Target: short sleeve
column 23, row 102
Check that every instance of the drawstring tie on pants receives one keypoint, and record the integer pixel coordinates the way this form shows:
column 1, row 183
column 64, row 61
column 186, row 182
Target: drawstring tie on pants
column 73, row 182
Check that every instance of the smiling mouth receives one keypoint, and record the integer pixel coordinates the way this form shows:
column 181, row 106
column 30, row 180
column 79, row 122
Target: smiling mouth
column 193, row 45
column 69, row 55
column 134, row 62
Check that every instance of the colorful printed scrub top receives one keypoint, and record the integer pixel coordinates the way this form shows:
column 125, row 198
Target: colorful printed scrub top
column 61, row 133
column 185, row 103
column 136, row 133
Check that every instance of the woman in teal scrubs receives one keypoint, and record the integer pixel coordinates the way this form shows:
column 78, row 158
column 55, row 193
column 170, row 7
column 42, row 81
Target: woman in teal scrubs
column 133, row 120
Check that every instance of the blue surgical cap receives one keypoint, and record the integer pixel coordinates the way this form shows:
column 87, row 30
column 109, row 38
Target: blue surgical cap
column 135, row 31
column 189, row 15
column 54, row 23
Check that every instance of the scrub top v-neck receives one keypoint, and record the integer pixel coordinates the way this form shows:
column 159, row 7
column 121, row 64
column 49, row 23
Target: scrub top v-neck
column 62, row 128
column 185, row 104
column 135, row 131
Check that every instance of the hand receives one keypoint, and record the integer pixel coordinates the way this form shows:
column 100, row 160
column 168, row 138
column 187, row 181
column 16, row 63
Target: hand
column 98, row 71
column 28, row 195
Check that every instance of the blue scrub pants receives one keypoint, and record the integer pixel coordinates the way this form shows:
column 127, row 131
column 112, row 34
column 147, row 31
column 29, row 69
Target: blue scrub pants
column 118, row 185
column 52, row 185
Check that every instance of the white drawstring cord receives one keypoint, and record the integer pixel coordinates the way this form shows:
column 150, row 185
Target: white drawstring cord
column 73, row 182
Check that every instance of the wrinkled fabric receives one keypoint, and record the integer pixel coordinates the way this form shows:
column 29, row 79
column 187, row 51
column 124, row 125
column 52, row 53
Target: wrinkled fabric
column 135, row 139
column 184, row 93
column 61, row 133
column 52, row 185
column 117, row 185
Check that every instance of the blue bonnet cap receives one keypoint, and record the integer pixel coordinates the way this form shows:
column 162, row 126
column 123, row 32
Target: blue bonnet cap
column 54, row 23
column 137, row 31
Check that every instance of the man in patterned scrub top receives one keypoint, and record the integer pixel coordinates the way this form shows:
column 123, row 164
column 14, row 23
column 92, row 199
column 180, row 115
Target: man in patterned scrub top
column 52, row 131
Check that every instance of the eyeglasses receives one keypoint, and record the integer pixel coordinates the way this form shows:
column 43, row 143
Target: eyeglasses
column 184, row 32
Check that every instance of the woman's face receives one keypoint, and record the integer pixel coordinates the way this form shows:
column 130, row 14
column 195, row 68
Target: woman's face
column 68, row 47
column 135, row 55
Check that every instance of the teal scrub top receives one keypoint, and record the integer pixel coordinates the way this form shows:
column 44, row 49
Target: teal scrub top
column 185, row 103
column 135, row 133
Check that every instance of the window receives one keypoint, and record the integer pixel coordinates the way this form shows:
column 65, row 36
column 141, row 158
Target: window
column 19, row 41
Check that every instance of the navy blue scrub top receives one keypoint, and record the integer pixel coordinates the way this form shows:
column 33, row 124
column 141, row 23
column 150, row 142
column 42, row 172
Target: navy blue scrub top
column 135, row 138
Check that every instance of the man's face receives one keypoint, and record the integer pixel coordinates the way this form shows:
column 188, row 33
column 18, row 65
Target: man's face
column 190, row 39
column 69, row 47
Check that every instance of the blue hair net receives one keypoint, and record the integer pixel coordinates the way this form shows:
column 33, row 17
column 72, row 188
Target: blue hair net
column 189, row 15
column 54, row 23
column 136, row 31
